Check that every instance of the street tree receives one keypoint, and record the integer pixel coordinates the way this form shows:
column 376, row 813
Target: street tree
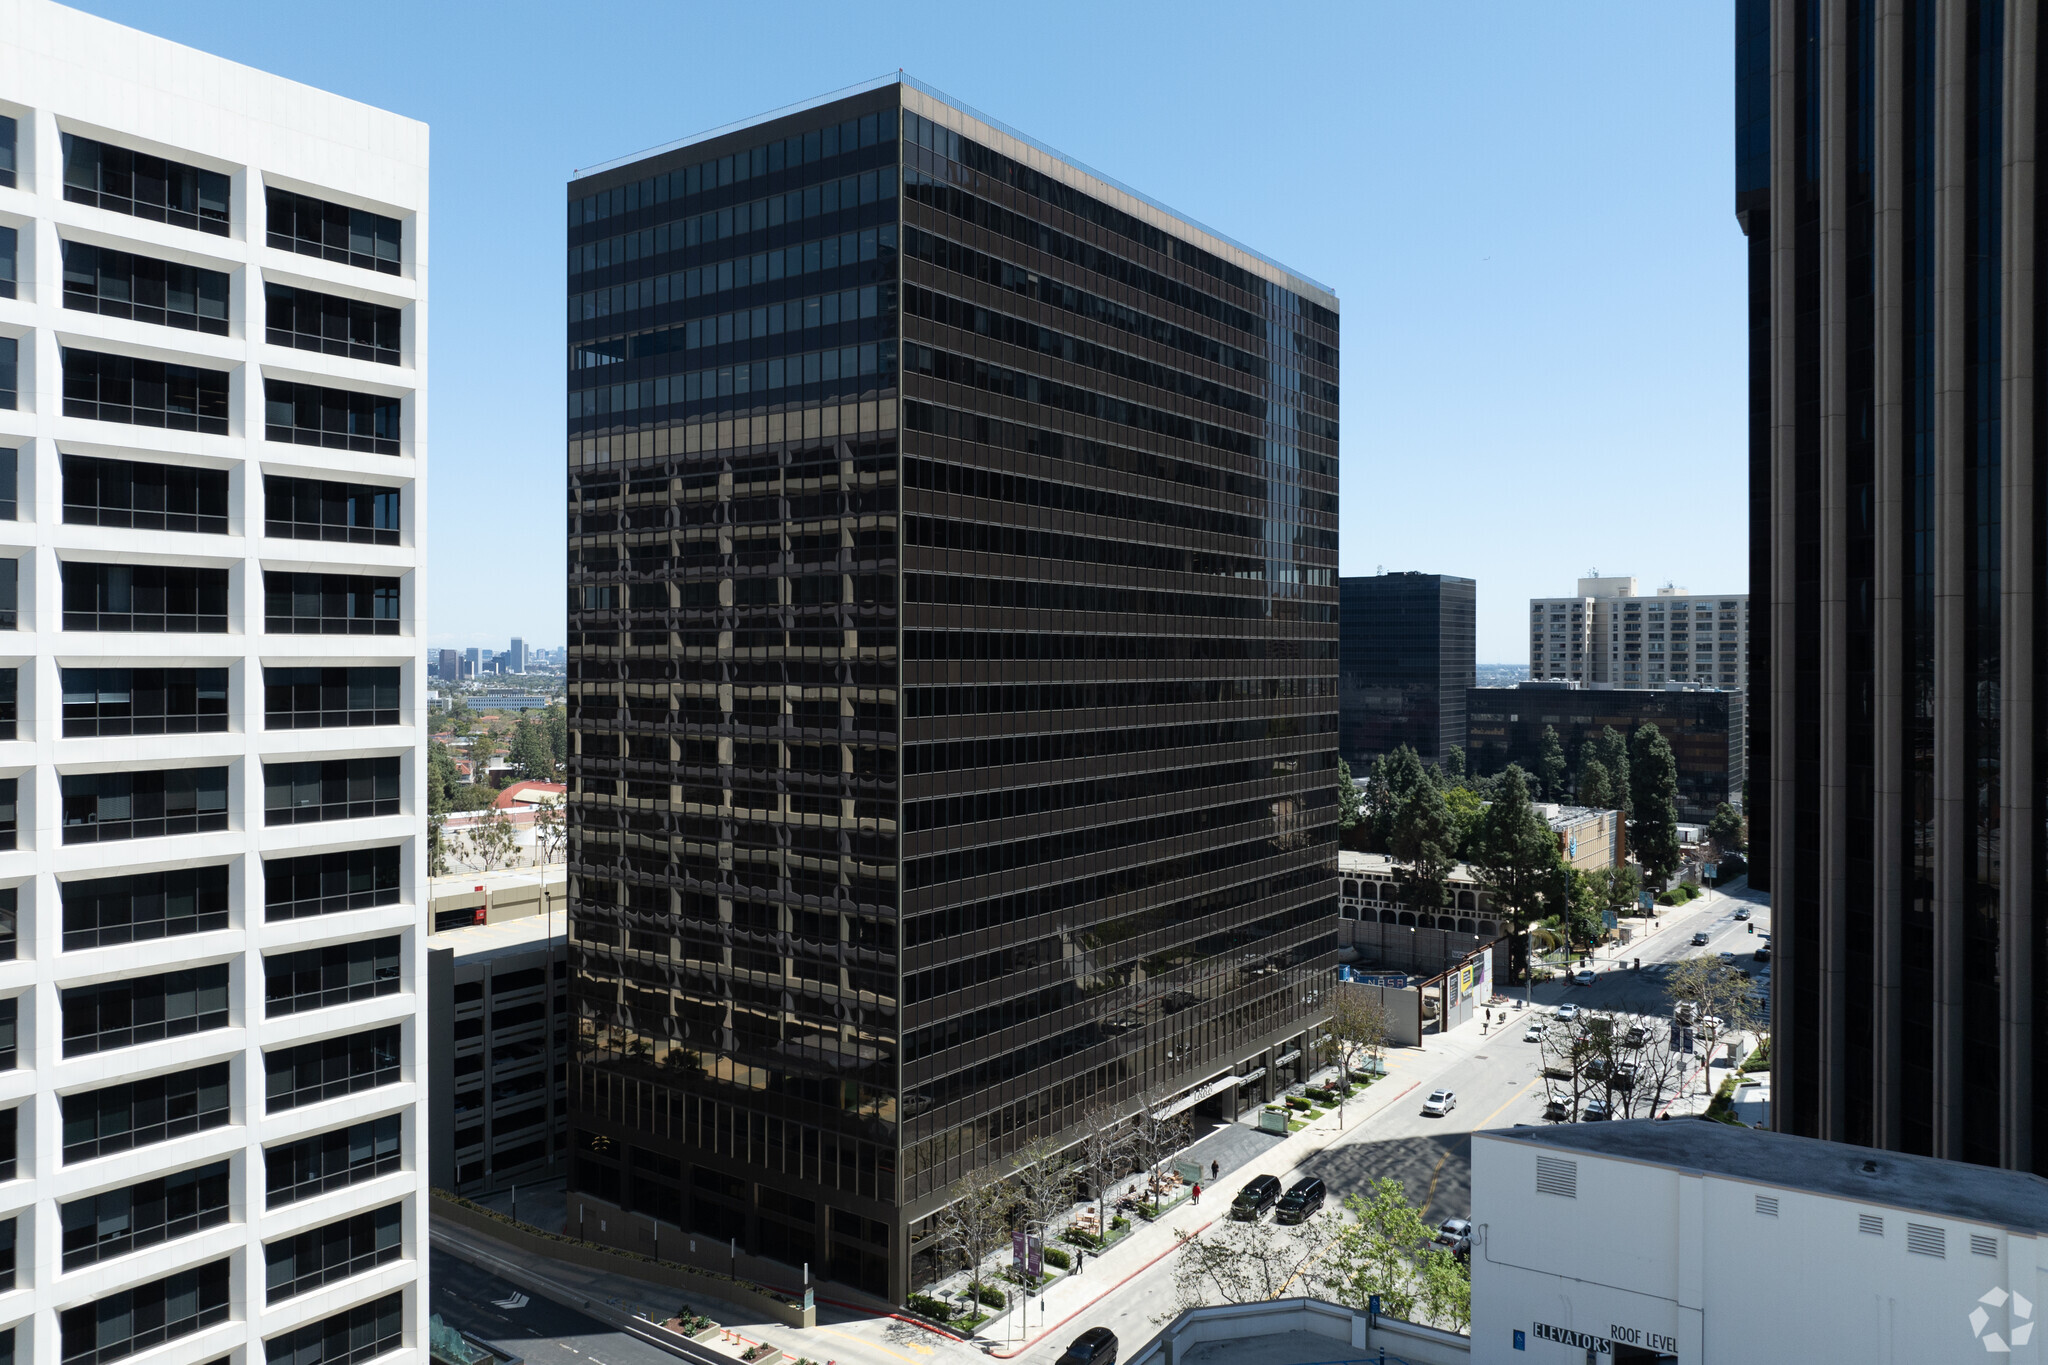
column 1454, row 767
column 1376, row 1251
column 1424, row 846
column 1237, row 1262
column 1726, row 829
column 1712, row 990
column 976, row 1223
column 1358, row 1029
column 1624, row 1060
column 1653, row 804
column 1514, row 856
column 1153, row 1141
column 1550, row 765
column 1103, row 1153
column 1044, row 1185
column 1612, row 751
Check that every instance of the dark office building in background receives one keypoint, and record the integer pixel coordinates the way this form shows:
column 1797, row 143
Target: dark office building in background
column 1405, row 661
column 1703, row 726
column 953, row 661
column 1886, row 179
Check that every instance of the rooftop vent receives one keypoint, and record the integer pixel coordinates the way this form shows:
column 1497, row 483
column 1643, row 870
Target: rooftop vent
column 1980, row 1245
column 1870, row 1168
column 1870, row 1223
column 1767, row 1205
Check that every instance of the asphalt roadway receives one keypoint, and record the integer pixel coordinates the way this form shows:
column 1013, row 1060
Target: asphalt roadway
column 1498, row 1082
column 540, row 1330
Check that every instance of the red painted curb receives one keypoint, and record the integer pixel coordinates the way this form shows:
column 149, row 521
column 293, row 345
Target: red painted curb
column 1048, row 1331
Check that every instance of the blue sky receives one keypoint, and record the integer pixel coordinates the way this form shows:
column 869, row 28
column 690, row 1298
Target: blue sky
column 1525, row 209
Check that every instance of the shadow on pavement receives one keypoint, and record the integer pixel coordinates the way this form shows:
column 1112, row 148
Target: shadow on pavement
column 1414, row 1161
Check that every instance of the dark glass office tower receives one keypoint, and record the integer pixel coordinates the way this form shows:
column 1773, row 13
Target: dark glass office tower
column 1406, row 660
column 953, row 640
column 1885, row 176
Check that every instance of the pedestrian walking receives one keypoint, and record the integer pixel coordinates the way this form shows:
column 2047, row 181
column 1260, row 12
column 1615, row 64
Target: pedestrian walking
column 1198, row 1194
column 1215, row 1170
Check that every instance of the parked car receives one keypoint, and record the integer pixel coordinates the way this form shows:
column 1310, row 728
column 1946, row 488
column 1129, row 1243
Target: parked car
column 1259, row 1193
column 1699, row 940
column 1533, row 1034
column 1683, row 1012
column 1456, row 1233
column 1624, row 1076
column 1302, row 1200
column 1763, row 951
column 1567, row 1012
column 1584, row 977
column 1557, row 1109
column 1636, row 1036
column 1743, row 913
column 1595, row 1111
column 1727, row 956
column 1096, row 1346
column 1440, row 1102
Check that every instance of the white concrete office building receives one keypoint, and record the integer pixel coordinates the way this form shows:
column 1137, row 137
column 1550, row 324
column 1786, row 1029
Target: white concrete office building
column 1691, row 1243
column 212, row 439
column 1609, row 636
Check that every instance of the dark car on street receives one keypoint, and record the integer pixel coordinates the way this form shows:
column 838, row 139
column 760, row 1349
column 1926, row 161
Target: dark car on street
column 1259, row 1194
column 1303, row 1199
column 1096, row 1346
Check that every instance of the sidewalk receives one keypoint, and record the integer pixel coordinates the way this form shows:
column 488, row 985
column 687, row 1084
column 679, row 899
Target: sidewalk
column 615, row 1299
column 1074, row 1294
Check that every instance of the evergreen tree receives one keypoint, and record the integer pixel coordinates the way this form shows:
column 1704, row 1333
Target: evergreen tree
column 1515, row 856
column 1613, row 755
column 1653, row 800
column 1454, row 767
column 1593, row 787
column 1350, row 807
column 531, row 752
column 1395, row 777
column 1425, row 846
column 1550, row 768
column 556, row 719
column 1726, row 830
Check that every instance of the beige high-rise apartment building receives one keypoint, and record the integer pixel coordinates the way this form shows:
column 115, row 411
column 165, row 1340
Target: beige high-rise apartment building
column 1610, row 636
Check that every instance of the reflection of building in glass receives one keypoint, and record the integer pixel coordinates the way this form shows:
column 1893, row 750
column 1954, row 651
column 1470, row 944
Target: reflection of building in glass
column 953, row 662
column 1704, row 728
column 1406, row 662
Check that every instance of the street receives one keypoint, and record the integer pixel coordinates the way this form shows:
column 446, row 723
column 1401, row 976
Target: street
column 540, row 1330
column 1497, row 1080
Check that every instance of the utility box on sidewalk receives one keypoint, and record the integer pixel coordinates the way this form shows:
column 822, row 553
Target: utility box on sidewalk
column 1273, row 1121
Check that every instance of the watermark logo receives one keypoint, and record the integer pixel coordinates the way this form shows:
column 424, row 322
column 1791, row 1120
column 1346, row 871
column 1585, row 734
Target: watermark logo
column 2020, row 1317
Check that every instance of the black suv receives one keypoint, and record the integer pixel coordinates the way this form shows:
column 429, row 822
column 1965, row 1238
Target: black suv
column 1255, row 1198
column 1096, row 1346
column 1303, row 1199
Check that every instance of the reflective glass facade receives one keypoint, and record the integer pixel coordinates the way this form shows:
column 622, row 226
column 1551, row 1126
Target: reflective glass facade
column 953, row 659
column 1897, row 530
column 1407, row 662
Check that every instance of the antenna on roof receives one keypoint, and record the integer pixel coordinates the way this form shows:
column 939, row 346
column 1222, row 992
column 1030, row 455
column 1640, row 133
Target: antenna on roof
column 1379, row 568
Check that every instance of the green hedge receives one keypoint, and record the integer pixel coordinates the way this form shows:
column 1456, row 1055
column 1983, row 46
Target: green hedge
column 992, row 1296
column 1057, row 1259
column 938, row 1310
